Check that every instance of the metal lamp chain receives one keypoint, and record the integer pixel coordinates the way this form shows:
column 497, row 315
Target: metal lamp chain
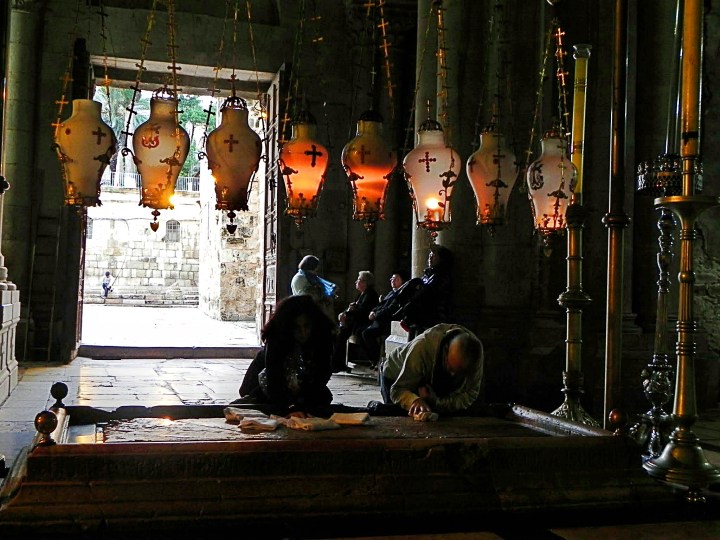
column 561, row 74
column 292, row 95
column 316, row 40
column 387, row 61
column 173, row 67
column 103, row 34
column 145, row 43
column 481, row 91
column 67, row 76
column 409, row 132
column 359, row 67
column 538, row 105
column 442, row 75
column 261, row 101
column 218, row 67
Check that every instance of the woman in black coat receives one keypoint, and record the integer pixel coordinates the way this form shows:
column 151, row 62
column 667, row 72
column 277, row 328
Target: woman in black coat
column 292, row 370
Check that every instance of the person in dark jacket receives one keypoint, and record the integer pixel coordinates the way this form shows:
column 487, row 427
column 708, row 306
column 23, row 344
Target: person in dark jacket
column 427, row 300
column 380, row 318
column 293, row 368
column 355, row 318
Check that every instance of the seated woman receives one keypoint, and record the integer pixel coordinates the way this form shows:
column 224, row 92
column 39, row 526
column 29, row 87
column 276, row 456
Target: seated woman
column 355, row 318
column 307, row 281
column 292, row 370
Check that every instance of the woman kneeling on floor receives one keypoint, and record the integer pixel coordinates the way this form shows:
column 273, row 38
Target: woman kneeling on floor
column 293, row 368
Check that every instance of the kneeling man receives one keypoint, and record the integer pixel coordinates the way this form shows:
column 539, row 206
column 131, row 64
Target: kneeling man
column 439, row 371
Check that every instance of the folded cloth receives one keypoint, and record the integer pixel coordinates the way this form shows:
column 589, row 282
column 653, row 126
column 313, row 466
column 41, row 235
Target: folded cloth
column 351, row 419
column 426, row 417
column 235, row 414
column 311, row 424
column 258, row 424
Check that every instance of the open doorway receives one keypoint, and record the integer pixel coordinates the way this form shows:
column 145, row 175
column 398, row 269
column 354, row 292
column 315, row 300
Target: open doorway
column 191, row 263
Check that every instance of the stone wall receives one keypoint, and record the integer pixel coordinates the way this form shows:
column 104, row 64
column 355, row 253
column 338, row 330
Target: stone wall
column 147, row 267
column 230, row 277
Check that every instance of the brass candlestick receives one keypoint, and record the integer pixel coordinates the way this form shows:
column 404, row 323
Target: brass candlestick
column 683, row 461
column 574, row 299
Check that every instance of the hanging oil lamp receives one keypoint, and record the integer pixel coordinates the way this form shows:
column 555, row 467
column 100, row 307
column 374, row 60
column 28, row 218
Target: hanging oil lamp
column 550, row 180
column 160, row 147
column 303, row 162
column 233, row 151
column 431, row 173
column 84, row 145
column 492, row 173
column 369, row 162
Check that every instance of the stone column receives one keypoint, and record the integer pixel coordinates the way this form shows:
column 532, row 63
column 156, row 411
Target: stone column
column 16, row 166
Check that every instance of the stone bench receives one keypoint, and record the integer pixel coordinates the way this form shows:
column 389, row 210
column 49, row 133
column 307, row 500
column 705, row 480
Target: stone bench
column 397, row 338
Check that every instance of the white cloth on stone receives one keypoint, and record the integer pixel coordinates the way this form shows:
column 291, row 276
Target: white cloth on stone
column 251, row 423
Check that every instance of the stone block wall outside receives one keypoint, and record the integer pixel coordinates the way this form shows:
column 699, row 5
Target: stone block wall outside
column 157, row 268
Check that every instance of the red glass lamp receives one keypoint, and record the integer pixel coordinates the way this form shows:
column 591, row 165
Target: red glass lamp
column 369, row 162
column 303, row 162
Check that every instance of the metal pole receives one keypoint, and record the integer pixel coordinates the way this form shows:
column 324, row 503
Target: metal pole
column 616, row 220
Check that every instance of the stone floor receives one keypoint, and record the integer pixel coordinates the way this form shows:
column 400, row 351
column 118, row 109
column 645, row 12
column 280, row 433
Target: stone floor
column 148, row 381
column 155, row 381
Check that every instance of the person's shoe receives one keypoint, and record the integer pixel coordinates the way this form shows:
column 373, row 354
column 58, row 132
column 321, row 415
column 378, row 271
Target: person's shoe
column 378, row 408
column 247, row 400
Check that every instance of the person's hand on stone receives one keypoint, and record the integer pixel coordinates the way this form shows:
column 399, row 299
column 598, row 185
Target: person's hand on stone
column 419, row 406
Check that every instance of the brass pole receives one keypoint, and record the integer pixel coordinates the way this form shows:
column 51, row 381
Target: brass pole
column 616, row 220
column 574, row 299
column 683, row 461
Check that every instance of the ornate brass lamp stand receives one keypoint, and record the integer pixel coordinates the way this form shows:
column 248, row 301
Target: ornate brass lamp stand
column 683, row 461
column 574, row 299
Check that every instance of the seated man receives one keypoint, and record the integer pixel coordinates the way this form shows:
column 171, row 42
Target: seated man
column 439, row 371
column 380, row 318
column 355, row 319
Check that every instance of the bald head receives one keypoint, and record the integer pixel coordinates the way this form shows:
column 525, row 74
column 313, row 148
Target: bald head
column 464, row 352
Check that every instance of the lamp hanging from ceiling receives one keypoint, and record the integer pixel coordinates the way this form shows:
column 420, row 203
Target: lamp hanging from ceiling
column 233, row 149
column 492, row 173
column 160, row 145
column 551, row 178
column 303, row 161
column 430, row 172
column 368, row 159
column 492, row 169
column 84, row 143
column 431, row 168
column 369, row 162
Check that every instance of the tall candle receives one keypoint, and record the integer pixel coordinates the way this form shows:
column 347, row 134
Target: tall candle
column 581, row 56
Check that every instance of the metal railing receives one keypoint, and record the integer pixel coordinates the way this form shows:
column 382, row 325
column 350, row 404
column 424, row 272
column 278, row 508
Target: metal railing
column 127, row 180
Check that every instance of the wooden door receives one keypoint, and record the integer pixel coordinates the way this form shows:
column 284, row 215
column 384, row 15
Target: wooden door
column 275, row 274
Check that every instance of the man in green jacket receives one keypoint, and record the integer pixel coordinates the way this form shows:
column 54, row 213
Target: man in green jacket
column 439, row 371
